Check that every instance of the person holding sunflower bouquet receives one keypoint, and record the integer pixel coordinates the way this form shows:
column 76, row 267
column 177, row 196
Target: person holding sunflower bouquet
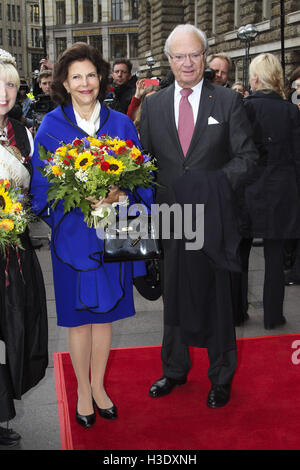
column 23, row 311
column 89, row 294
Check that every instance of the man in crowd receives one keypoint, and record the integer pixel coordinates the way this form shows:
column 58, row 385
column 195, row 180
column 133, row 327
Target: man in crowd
column 124, row 85
column 221, row 64
column 196, row 146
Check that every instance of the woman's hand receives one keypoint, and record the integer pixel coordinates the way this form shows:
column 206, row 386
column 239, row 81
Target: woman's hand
column 114, row 195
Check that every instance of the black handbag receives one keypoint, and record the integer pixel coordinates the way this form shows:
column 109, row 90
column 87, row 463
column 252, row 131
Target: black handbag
column 131, row 239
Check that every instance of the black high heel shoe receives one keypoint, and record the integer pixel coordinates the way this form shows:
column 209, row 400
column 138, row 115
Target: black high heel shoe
column 85, row 421
column 107, row 413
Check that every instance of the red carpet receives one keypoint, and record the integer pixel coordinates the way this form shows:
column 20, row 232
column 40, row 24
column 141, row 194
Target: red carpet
column 263, row 414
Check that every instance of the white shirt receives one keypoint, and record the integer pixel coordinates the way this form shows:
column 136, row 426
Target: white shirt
column 92, row 125
column 194, row 99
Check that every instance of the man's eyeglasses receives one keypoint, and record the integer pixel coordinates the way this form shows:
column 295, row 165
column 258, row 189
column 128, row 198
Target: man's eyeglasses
column 194, row 57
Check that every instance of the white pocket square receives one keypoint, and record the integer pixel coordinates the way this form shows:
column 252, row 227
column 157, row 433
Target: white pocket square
column 212, row 120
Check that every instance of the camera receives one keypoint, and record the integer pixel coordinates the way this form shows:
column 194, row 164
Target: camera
column 209, row 74
column 43, row 104
column 40, row 108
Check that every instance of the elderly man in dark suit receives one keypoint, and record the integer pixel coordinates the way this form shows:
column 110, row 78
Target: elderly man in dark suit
column 194, row 127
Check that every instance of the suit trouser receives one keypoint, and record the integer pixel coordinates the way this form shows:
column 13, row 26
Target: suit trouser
column 176, row 360
column 274, row 278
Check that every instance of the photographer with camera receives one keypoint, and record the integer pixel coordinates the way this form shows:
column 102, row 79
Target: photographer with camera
column 43, row 103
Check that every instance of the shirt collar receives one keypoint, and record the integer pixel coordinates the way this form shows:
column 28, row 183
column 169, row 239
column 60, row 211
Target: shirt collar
column 196, row 89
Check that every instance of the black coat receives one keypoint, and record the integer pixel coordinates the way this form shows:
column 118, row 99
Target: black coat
column 272, row 195
column 123, row 95
column 224, row 147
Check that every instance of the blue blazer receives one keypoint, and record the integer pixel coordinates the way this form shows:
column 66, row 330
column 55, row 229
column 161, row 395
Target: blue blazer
column 73, row 244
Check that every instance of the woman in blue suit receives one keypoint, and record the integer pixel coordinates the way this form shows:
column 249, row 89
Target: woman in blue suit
column 89, row 294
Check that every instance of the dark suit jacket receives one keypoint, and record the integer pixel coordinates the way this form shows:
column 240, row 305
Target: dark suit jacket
column 226, row 145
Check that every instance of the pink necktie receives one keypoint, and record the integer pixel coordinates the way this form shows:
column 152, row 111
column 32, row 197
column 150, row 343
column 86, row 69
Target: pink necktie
column 185, row 120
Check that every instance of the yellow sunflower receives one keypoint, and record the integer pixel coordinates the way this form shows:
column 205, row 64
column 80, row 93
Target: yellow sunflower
column 115, row 166
column 7, row 224
column 83, row 161
column 5, row 201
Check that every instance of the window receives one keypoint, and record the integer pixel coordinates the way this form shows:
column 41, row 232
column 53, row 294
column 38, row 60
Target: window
column 13, row 12
column 80, row 39
column 133, row 44
column 1, row 11
column 35, row 37
column 20, row 61
column 134, row 13
column 14, row 37
column 1, row 36
column 8, row 12
column 118, row 45
column 75, row 11
column 19, row 38
column 88, row 11
column 99, row 10
column 61, row 45
column 34, row 13
column 9, row 37
column 96, row 41
column 60, row 13
column 116, row 10
column 18, row 13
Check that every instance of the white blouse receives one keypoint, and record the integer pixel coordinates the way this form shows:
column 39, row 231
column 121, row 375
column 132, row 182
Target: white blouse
column 92, row 125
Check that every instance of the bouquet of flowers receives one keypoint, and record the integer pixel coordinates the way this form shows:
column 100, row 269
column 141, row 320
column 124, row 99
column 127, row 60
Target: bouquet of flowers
column 89, row 167
column 14, row 215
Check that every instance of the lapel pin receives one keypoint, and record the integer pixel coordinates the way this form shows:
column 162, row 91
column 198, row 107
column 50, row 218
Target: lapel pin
column 210, row 96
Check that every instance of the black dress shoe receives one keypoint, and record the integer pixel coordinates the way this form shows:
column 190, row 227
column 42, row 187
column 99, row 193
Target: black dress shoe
column 271, row 326
column 85, row 421
column 8, row 437
column 218, row 396
column 164, row 385
column 107, row 413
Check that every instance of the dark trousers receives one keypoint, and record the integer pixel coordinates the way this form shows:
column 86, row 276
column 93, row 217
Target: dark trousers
column 273, row 293
column 176, row 360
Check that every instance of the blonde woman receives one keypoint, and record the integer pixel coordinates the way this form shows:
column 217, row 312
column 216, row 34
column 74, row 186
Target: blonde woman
column 272, row 199
column 23, row 313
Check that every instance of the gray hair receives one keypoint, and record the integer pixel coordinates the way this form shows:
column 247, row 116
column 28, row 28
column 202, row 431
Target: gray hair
column 187, row 28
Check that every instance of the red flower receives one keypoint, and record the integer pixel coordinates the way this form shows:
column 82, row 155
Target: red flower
column 129, row 143
column 139, row 159
column 77, row 142
column 67, row 162
column 105, row 166
column 121, row 150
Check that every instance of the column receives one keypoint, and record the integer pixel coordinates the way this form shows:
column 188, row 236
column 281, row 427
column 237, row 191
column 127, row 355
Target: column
column 80, row 11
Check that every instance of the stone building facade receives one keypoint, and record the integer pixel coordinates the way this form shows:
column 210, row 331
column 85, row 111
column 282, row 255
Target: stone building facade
column 220, row 19
column 13, row 34
column 109, row 25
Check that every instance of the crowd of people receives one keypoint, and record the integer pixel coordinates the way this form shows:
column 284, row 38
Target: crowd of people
column 237, row 151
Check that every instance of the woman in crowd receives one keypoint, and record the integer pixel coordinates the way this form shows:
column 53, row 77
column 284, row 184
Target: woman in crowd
column 272, row 197
column 292, row 247
column 89, row 294
column 23, row 314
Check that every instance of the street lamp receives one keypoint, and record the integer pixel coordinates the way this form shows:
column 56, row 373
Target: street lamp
column 246, row 34
column 150, row 62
